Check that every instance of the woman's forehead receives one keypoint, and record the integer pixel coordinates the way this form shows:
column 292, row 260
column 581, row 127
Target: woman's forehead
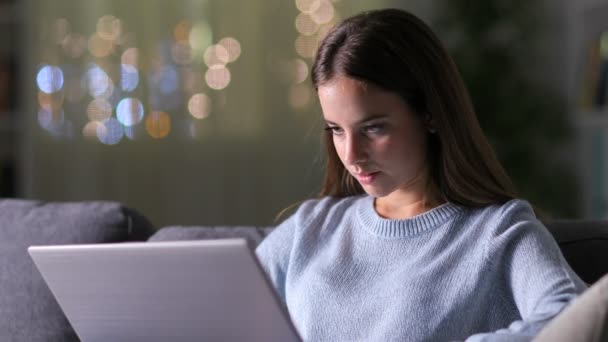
column 350, row 99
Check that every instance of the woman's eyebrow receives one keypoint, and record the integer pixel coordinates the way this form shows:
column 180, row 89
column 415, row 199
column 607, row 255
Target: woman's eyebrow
column 365, row 120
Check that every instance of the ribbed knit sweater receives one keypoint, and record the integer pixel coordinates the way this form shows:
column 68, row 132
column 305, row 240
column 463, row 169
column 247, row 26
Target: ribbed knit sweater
column 451, row 273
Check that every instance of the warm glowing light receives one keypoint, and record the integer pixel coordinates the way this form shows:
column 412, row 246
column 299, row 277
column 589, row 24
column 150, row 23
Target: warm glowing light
column 99, row 110
column 49, row 101
column 98, row 82
column 59, row 30
column 306, row 46
column 90, row 129
column 299, row 96
column 323, row 31
column 158, row 124
column 129, row 77
column 232, row 46
column 99, row 47
column 300, row 70
column 129, row 56
column 217, row 77
column 129, row 111
column 308, row 6
column 50, row 79
column 305, row 25
column 199, row 105
column 200, row 36
column 126, row 39
column 109, row 28
column 216, row 55
column 74, row 45
column 110, row 132
column 324, row 13
column 181, row 31
column 181, row 53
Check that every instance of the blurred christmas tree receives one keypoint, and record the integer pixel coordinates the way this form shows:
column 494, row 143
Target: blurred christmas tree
column 494, row 44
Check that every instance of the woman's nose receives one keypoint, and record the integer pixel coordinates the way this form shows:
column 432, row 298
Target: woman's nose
column 354, row 152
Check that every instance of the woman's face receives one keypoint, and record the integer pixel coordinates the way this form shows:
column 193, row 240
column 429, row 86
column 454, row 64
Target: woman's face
column 378, row 138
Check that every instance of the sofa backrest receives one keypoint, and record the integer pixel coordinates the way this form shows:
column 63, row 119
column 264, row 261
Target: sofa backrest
column 584, row 244
column 28, row 310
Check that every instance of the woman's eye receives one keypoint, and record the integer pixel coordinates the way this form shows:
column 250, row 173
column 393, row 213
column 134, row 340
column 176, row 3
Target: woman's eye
column 374, row 129
column 334, row 130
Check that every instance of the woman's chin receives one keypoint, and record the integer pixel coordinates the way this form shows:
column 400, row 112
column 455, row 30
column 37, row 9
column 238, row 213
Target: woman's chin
column 375, row 191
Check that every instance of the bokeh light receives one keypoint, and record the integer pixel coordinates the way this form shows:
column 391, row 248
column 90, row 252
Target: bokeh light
column 199, row 105
column 181, row 31
column 217, row 77
column 109, row 28
column 129, row 77
column 324, row 13
column 158, row 124
column 100, row 47
column 300, row 70
column 308, row 6
column 129, row 111
column 98, row 82
column 165, row 78
column 52, row 101
column 306, row 46
column 60, row 29
column 216, row 55
column 305, row 25
column 74, row 45
column 131, row 132
column 99, row 110
column 324, row 30
column 200, row 36
column 130, row 56
column 232, row 46
column 90, row 129
column 50, row 79
column 110, row 132
column 51, row 119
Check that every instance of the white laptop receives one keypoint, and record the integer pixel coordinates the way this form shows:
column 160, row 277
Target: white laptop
column 208, row 290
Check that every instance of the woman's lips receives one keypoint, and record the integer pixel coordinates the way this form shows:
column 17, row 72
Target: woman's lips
column 366, row 178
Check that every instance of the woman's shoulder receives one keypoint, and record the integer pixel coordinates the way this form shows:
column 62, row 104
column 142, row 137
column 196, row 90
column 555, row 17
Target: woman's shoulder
column 514, row 209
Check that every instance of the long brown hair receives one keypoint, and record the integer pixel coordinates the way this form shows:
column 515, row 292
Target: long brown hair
column 396, row 51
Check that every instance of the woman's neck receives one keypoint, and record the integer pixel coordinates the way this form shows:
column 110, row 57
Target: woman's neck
column 403, row 205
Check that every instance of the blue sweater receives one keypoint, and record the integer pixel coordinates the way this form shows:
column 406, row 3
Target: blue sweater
column 451, row 273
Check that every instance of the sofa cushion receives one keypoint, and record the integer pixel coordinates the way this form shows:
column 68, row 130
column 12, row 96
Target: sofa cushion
column 28, row 310
column 175, row 233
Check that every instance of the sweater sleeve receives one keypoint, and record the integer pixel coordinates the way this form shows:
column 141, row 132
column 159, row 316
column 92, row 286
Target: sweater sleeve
column 529, row 263
column 274, row 253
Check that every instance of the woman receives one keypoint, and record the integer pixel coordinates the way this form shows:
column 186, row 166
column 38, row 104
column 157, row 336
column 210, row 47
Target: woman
column 418, row 234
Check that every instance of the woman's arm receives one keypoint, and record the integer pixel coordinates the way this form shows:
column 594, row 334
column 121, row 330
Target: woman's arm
column 532, row 268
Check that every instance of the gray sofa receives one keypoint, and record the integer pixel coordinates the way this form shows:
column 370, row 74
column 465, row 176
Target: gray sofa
column 28, row 311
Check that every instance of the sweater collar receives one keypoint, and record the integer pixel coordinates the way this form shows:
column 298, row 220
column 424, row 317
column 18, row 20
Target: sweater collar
column 391, row 228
